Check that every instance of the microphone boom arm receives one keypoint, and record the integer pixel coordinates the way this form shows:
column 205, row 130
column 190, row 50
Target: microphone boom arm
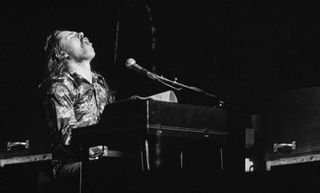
column 164, row 80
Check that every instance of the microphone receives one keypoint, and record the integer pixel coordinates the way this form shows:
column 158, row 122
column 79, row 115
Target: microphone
column 131, row 63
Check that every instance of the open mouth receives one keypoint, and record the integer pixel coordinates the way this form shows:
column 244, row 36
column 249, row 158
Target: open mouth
column 86, row 41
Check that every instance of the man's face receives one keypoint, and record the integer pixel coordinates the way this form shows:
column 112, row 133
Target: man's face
column 76, row 45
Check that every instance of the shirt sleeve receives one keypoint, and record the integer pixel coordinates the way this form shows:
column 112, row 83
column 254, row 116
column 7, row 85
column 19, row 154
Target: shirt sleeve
column 62, row 101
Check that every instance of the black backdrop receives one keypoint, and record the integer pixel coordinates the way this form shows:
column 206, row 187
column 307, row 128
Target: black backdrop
column 245, row 50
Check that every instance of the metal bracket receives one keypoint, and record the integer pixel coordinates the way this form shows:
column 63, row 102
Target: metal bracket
column 11, row 145
column 284, row 146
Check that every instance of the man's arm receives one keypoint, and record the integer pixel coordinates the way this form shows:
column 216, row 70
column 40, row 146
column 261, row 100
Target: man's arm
column 62, row 100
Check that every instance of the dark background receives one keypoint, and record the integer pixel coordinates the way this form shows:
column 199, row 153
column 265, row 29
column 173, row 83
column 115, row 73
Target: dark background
column 241, row 51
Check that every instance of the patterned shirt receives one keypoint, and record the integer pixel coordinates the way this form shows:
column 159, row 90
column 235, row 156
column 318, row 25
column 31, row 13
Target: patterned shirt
column 74, row 102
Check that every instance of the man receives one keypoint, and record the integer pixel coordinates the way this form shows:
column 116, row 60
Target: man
column 75, row 97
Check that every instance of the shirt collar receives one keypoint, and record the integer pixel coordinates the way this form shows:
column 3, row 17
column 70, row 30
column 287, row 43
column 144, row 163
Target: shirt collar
column 79, row 79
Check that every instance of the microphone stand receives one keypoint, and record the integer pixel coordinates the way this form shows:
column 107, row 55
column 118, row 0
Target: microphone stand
column 164, row 81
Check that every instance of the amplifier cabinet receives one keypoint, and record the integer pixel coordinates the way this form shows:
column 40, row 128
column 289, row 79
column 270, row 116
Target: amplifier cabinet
column 291, row 125
column 25, row 170
column 27, row 173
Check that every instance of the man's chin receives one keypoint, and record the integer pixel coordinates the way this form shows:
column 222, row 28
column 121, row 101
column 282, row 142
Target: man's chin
column 90, row 55
column 87, row 57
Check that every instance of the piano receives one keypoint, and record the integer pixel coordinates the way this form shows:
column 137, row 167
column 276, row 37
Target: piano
column 147, row 128
column 152, row 117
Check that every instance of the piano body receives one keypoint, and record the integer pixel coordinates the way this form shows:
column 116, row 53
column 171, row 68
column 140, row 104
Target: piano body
column 160, row 135
column 132, row 124
column 151, row 117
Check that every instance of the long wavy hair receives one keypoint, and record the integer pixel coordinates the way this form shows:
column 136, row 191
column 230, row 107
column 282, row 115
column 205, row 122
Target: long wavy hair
column 57, row 63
